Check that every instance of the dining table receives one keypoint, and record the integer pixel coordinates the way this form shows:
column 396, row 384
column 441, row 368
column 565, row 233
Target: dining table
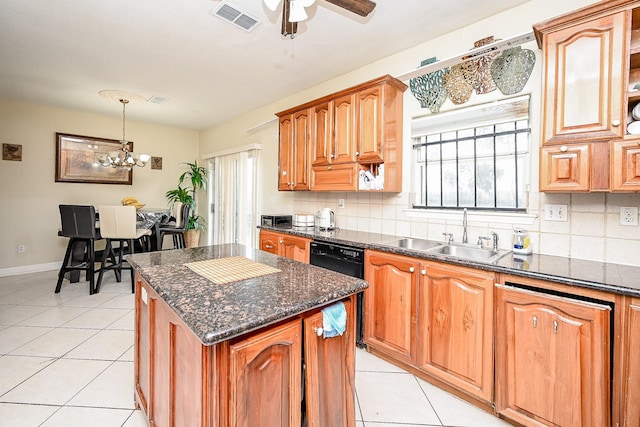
column 149, row 218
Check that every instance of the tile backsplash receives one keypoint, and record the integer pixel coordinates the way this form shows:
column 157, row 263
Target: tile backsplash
column 592, row 230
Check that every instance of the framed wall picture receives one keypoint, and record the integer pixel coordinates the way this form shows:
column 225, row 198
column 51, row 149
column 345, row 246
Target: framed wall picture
column 12, row 152
column 156, row 162
column 77, row 160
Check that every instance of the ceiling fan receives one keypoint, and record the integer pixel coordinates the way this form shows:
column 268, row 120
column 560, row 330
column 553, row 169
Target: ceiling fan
column 293, row 11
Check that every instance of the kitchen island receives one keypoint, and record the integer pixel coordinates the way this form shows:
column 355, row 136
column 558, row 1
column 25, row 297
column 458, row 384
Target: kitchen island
column 232, row 336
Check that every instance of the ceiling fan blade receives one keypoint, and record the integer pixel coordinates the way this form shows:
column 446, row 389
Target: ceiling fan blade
column 359, row 7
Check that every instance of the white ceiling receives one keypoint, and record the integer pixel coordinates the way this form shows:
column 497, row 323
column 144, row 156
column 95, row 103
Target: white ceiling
column 63, row 52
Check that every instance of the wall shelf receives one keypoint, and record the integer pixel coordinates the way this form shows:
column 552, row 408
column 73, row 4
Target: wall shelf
column 495, row 47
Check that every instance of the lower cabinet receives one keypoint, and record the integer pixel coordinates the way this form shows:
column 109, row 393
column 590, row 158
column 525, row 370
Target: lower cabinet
column 292, row 247
column 265, row 377
column 631, row 384
column 456, row 327
column 269, row 241
column 391, row 304
column 330, row 373
column 169, row 369
column 281, row 375
column 552, row 359
column 435, row 317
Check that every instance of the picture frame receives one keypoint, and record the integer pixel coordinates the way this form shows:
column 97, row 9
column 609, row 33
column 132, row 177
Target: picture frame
column 156, row 162
column 77, row 160
column 12, row 152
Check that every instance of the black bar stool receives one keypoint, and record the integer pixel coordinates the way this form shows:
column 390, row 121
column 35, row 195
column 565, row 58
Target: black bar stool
column 79, row 225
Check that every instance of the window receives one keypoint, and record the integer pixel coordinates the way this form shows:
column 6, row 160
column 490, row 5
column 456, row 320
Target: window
column 233, row 195
column 475, row 157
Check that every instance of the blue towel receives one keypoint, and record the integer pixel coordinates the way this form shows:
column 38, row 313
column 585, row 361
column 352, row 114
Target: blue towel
column 334, row 320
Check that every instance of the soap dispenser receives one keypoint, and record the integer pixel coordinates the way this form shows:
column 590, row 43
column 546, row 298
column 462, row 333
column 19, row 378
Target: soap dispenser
column 521, row 242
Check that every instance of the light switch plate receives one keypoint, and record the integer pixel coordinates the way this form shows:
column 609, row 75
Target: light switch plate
column 555, row 212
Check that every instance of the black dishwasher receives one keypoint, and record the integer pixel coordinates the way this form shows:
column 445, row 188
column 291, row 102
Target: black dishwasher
column 347, row 260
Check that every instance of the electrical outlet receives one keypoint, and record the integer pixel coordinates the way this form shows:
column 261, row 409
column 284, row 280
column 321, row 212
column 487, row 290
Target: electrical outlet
column 341, row 203
column 555, row 212
column 628, row 215
column 21, row 249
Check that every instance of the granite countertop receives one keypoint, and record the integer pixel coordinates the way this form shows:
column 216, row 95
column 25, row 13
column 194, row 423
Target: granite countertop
column 217, row 312
column 616, row 278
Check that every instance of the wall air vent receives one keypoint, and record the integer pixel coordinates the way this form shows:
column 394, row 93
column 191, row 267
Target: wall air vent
column 155, row 99
column 235, row 16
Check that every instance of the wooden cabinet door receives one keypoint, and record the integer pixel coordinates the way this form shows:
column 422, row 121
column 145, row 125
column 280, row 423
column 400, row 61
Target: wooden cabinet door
column 391, row 306
column 176, row 360
column 456, row 327
column 265, row 378
column 330, row 374
column 295, row 248
column 552, row 359
column 585, row 80
column 269, row 242
column 285, row 154
column 565, row 168
column 341, row 177
column 322, row 135
column 294, row 154
column 370, row 108
column 631, row 391
column 301, row 149
column 142, row 351
column 344, row 121
column 625, row 165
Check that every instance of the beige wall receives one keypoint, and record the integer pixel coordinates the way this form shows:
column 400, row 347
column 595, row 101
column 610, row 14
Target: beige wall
column 30, row 197
column 592, row 232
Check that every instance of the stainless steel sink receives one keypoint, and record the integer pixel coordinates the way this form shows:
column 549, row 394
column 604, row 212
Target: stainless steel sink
column 469, row 252
column 414, row 244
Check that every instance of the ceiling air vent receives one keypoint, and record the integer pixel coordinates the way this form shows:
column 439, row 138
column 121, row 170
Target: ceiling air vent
column 235, row 16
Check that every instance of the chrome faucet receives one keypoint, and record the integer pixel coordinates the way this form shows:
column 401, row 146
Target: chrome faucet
column 465, row 239
column 494, row 236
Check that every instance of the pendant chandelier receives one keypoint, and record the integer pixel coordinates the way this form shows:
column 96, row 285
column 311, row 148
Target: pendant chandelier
column 123, row 158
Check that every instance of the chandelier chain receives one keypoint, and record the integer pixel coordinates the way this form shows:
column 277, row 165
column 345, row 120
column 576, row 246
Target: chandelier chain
column 124, row 106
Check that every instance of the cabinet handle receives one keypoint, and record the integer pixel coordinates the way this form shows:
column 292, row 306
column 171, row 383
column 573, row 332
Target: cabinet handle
column 318, row 331
column 535, row 322
column 615, row 123
column 281, row 240
column 357, row 153
column 332, row 156
column 423, row 272
column 411, row 269
column 555, row 326
column 268, row 246
column 563, row 148
column 328, row 167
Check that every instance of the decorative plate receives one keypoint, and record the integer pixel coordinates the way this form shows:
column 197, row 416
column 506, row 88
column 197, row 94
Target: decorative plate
column 482, row 80
column 635, row 113
column 633, row 128
column 457, row 80
column 511, row 70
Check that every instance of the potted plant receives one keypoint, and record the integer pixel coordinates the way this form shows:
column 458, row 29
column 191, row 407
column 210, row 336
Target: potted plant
column 196, row 179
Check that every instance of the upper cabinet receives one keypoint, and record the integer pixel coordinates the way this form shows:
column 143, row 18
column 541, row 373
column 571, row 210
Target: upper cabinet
column 293, row 167
column 353, row 140
column 584, row 75
column 591, row 62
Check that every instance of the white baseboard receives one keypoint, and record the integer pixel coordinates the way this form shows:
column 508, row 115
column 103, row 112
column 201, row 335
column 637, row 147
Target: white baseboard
column 25, row 269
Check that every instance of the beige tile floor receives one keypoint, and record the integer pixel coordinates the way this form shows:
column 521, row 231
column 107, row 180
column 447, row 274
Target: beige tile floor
column 67, row 360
